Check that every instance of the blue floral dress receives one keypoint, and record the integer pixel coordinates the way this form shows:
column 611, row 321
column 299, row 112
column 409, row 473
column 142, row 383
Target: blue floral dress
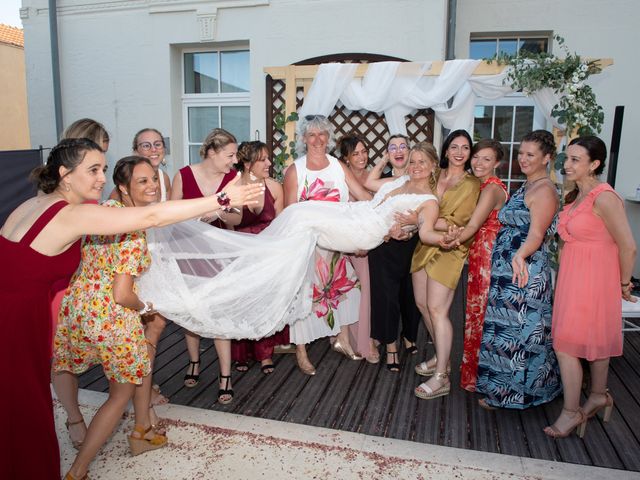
column 517, row 365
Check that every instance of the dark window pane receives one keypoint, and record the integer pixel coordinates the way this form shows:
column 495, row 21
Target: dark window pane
column 514, row 186
column 504, row 120
column 502, row 171
column 534, row 45
column 524, row 122
column 508, row 46
column 516, row 173
column 201, row 72
column 479, row 49
column 482, row 123
column 234, row 71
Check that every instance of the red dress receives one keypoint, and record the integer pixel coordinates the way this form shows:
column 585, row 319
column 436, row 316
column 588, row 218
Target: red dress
column 244, row 350
column 28, row 444
column 190, row 188
column 587, row 311
column 478, row 292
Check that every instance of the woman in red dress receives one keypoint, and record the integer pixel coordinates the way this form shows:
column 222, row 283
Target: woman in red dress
column 254, row 163
column 484, row 224
column 219, row 155
column 39, row 245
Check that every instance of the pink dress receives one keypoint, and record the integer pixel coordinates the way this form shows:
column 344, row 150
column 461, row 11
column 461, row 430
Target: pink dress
column 478, row 292
column 587, row 311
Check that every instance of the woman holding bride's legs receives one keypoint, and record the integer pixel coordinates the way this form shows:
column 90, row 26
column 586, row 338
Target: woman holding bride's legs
column 319, row 176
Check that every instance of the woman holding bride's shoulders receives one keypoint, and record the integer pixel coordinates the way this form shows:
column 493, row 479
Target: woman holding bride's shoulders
column 316, row 175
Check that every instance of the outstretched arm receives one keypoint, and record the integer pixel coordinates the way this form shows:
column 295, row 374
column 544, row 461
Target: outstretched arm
column 373, row 181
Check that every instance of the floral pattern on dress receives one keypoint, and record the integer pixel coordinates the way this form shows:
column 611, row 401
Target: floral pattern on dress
column 334, row 285
column 478, row 292
column 93, row 328
column 319, row 191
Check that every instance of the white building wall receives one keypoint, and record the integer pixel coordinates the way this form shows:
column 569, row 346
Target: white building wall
column 593, row 28
column 121, row 60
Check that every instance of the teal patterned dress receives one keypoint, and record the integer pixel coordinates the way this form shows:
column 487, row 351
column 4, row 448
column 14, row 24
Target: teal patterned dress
column 517, row 366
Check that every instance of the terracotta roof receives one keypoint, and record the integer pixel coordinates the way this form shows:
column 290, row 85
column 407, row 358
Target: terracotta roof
column 11, row 35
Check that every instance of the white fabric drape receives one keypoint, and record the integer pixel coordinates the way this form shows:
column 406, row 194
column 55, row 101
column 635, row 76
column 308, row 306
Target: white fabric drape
column 398, row 89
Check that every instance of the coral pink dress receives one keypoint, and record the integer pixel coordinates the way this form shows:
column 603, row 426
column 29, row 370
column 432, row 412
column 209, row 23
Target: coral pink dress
column 587, row 311
column 243, row 350
column 28, row 445
column 478, row 292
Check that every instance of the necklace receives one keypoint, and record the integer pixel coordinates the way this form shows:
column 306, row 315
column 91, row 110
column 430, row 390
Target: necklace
column 528, row 184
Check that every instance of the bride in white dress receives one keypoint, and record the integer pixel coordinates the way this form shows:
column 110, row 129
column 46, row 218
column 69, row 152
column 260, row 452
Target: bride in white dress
column 219, row 283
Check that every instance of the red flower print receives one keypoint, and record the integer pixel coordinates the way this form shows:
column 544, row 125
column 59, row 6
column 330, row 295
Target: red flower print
column 334, row 285
column 318, row 191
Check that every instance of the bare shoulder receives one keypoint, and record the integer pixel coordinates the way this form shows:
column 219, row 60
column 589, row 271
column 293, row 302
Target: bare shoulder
column 25, row 214
column 608, row 201
column 274, row 186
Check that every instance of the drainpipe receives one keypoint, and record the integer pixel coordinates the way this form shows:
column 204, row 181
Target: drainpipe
column 55, row 66
column 451, row 30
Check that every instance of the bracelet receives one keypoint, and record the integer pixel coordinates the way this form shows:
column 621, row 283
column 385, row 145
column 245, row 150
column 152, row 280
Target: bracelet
column 625, row 284
column 224, row 201
column 145, row 309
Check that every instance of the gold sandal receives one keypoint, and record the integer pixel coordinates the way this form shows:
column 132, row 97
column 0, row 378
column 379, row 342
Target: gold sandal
column 579, row 426
column 138, row 445
column 425, row 392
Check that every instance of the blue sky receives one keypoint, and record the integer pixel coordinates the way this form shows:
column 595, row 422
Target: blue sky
column 10, row 12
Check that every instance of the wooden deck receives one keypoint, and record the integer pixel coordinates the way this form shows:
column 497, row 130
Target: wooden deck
column 360, row 397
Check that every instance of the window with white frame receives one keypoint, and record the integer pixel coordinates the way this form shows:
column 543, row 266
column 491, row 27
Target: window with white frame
column 216, row 94
column 510, row 118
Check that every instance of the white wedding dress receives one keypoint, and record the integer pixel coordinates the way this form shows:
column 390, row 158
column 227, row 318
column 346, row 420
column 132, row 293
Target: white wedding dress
column 224, row 284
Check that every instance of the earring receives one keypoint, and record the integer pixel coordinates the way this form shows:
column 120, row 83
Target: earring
column 67, row 188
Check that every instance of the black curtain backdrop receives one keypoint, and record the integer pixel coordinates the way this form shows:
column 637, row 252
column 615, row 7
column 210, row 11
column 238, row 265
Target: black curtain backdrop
column 15, row 187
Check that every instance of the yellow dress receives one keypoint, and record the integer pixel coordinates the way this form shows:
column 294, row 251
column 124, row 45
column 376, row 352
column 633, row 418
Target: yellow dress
column 456, row 206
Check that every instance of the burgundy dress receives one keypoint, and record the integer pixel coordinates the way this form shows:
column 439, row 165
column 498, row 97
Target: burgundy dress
column 190, row 188
column 244, row 350
column 28, row 444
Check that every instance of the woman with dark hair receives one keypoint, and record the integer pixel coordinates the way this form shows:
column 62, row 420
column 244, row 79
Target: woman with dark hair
column 254, row 163
column 595, row 270
column 39, row 245
column 354, row 154
column 436, row 270
column 392, row 290
column 101, row 321
column 517, row 324
column 483, row 227
column 219, row 155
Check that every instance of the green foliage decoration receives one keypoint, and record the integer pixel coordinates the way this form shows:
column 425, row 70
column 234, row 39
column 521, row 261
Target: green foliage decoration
column 578, row 108
column 288, row 149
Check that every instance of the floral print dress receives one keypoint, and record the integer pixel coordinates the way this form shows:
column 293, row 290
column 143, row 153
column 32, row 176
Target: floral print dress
column 478, row 291
column 92, row 327
column 336, row 289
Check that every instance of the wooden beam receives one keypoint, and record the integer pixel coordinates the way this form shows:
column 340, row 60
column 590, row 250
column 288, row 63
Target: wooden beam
column 302, row 72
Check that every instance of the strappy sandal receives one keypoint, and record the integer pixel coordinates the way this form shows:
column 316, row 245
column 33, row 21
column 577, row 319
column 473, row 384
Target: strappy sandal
column 579, row 426
column 77, row 444
column 393, row 366
column 425, row 370
column 242, row 366
column 410, row 347
column 425, row 392
column 191, row 380
column 68, row 476
column 138, row 445
column 225, row 395
column 157, row 424
column 157, row 398
column 607, row 406
column 268, row 368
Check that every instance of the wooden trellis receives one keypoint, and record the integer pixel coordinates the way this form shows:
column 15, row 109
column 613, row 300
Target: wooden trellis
column 287, row 87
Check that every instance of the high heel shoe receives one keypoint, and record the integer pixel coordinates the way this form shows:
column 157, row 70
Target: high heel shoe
column 607, row 406
column 410, row 347
column 191, row 379
column 138, row 445
column 77, row 444
column 580, row 426
column 393, row 365
column 68, row 476
column 304, row 364
column 225, row 395
column 340, row 348
column 425, row 391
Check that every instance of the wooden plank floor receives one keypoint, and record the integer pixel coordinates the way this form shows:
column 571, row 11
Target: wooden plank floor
column 360, row 397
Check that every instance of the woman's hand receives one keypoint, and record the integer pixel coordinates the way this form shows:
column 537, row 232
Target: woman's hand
column 360, row 253
column 451, row 239
column 240, row 195
column 398, row 233
column 520, row 271
column 626, row 293
column 407, row 218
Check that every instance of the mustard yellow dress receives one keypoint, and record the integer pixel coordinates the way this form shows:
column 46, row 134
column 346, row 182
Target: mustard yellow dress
column 456, row 206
